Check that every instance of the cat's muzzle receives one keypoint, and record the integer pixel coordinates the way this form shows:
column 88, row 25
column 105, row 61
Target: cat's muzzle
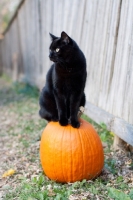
column 52, row 59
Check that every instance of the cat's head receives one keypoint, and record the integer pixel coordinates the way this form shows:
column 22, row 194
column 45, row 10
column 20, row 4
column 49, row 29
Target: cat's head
column 60, row 48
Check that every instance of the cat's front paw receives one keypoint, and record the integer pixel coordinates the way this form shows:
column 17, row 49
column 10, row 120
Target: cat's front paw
column 63, row 121
column 75, row 123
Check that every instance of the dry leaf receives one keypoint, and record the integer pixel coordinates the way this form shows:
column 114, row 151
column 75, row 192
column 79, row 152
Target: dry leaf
column 10, row 172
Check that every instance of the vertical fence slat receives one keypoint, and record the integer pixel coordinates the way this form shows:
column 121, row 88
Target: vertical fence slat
column 46, row 24
column 120, row 101
column 109, row 53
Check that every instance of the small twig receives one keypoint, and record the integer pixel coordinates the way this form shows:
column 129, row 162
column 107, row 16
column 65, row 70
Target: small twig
column 81, row 111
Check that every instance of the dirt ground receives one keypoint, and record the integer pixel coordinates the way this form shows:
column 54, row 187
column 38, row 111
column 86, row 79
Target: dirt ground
column 20, row 134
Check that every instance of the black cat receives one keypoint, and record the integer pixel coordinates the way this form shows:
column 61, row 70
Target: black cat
column 63, row 93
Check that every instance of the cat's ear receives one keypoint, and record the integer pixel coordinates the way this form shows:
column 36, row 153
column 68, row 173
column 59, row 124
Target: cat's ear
column 65, row 38
column 53, row 37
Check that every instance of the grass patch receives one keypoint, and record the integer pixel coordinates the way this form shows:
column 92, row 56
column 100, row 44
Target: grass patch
column 26, row 89
column 42, row 188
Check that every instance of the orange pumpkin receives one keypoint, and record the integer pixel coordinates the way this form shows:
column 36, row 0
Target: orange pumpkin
column 68, row 154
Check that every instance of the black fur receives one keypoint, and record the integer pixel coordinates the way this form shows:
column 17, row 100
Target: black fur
column 63, row 93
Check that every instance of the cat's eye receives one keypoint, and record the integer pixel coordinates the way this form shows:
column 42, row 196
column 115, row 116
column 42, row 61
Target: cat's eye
column 57, row 49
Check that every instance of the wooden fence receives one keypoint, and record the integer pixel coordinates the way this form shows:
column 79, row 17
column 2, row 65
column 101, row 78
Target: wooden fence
column 104, row 31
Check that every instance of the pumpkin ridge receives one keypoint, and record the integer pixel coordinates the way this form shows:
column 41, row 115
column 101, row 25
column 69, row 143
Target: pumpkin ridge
column 84, row 141
column 71, row 155
column 99, row 160
column 93, row 140
column 81, row 148
column 75, row 157
column 90, row 148
column 83, row 151
column 61, row 153
column 94, row 137
column 96, row 140
column 54, row 157
column 49, row 129
column 87, row 136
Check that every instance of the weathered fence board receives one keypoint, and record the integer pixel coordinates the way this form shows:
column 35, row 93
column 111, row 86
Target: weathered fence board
column 104, row 31
column 120, row 98
column 115, row 124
